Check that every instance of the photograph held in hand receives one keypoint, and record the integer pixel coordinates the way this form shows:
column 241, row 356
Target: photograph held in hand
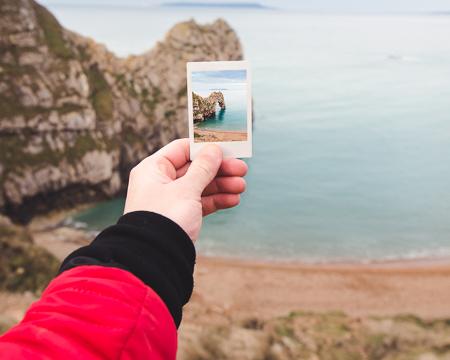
column 220, row 106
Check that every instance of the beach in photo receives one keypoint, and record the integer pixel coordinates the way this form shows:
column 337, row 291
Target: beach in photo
column 219, row 105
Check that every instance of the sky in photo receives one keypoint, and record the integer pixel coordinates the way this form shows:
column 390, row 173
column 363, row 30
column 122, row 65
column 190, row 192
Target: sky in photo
column 205, row 82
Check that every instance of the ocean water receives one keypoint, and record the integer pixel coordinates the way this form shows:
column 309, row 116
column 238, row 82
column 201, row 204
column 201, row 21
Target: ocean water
column 228, row 119
column 351, row 134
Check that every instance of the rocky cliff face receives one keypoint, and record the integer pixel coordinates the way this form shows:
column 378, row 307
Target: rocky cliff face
column 205, row 108
column 74, row 118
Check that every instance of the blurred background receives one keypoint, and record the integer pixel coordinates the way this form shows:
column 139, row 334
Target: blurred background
column 351, row 138
column 352, row 124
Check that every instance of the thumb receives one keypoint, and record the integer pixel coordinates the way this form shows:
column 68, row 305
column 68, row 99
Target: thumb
column 204, row 168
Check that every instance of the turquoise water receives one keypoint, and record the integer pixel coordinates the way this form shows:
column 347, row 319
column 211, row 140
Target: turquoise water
column 351, row 134
column 228, row 119
column 234, row 117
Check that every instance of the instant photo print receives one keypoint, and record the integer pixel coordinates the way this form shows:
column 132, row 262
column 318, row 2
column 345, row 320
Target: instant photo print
column 220, row 107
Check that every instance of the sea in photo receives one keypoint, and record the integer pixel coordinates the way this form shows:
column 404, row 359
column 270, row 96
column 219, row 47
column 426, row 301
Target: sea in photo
column 351, row 137
column 219, row 105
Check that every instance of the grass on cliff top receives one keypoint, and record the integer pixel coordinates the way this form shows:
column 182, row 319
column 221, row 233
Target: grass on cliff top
column 325, row 336
column 24, row 266
column 53, row 32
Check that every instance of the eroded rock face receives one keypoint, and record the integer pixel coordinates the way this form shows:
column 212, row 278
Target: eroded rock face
column 74, row 118
column 205, row 108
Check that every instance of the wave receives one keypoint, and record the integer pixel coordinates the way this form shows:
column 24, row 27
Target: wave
column 209, row 249
column 71, row 222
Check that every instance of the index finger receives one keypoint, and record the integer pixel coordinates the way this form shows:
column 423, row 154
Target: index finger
column 177, row 152
column 233, row 167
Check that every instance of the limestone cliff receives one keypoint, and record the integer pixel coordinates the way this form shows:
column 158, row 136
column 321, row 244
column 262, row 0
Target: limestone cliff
column 74, row 118
column 205, row 108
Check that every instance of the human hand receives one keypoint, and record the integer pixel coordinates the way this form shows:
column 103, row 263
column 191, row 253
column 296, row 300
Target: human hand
column 169, row 184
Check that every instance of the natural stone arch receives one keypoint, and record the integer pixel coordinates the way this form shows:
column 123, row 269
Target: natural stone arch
column 205, row 108
column 217, row 97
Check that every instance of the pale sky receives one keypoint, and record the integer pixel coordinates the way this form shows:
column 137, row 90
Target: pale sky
column 303, row 5
column 203, row 82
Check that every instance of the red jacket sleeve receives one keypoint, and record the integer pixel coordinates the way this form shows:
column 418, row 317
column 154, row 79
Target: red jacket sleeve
column 94, row 312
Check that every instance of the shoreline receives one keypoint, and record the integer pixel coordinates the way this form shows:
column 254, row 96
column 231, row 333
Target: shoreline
column 377, row 264
column 57, row 219
column 239, row 288
column 222, row 131
column 210, row 135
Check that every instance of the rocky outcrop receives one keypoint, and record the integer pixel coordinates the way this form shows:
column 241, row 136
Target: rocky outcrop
column 74, row 118
column 205, row 108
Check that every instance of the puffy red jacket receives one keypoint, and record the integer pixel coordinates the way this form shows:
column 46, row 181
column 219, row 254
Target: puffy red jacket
column 106, row 312
column 94, row 312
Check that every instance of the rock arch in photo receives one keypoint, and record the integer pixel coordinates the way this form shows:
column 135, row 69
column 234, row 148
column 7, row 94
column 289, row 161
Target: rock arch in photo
column 205, row 108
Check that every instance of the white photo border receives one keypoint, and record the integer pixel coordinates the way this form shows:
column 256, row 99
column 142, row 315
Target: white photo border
column 235, row 149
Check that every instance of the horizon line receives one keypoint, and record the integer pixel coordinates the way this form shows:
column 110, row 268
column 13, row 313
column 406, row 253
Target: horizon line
column 279, row 9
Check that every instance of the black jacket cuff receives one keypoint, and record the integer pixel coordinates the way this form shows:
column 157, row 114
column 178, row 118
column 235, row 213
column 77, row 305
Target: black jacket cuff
column 153, row 248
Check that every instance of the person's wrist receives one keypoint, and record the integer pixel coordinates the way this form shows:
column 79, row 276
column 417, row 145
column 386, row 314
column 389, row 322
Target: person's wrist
column 147, row 218
column 151, row 247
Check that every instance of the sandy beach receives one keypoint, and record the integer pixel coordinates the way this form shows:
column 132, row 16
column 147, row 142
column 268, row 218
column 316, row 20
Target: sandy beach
column 267, row 290
column 206, row 135
column 256, row 310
